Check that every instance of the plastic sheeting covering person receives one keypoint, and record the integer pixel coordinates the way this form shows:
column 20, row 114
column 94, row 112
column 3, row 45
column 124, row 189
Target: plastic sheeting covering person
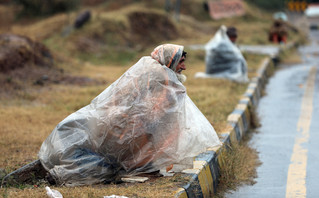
column 224, row 59
column 141, row 123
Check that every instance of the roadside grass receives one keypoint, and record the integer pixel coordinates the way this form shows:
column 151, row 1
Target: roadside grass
column 289, row 57
column 253, row 62
column 237, row 166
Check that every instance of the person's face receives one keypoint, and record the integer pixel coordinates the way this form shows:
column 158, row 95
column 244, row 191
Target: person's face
column 233, row 39
column 181, row 66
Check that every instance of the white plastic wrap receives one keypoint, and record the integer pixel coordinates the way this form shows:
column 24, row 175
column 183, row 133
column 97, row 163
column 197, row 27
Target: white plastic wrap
column 224, row 59
column 53, row 193
column 141, row 123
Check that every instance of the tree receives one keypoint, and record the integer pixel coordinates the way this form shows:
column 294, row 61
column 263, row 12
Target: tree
column 46, row 7
column 272, row 5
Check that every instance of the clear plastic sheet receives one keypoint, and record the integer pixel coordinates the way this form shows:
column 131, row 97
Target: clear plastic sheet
column 224, row 59
column 143, row 122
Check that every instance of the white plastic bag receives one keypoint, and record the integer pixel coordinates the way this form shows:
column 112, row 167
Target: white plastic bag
column 53, row 193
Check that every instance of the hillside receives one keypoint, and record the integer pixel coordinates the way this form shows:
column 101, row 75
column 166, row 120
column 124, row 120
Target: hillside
column 117, row 33
column 130, row 27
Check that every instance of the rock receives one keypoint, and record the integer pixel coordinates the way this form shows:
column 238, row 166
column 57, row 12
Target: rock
column 18, row 51
column 82, row 18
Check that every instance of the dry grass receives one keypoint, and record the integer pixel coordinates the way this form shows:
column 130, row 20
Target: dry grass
column 290, row 57
column 41, row 29
column 162, row 187
column 238, row 166
column 253, row 62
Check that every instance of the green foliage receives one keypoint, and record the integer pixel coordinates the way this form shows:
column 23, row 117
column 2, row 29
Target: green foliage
column 108, row 57
column 45, row 7
column 273, row 5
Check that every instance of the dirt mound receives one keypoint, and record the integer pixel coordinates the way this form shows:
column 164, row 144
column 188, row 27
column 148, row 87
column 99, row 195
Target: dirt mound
column 19, row 51
column 25, row 63
column 150, row 28
column 117, row 36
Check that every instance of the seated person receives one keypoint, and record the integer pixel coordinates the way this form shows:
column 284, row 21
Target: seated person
column 278, row 32
column 223, row 58
column 141, row 123
column 232, row 34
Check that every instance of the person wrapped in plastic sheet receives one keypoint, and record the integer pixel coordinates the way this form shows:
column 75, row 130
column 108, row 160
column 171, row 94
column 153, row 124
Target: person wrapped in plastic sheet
column 141, row 123
column 278, row 32
column 224, row 59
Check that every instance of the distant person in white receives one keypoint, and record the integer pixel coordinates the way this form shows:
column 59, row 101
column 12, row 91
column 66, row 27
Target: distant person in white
column 223, row 58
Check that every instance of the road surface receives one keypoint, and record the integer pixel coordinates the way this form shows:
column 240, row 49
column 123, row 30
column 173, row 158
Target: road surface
column 288, row 140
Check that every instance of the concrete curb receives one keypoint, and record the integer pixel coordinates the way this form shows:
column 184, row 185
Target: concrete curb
column 205, row 172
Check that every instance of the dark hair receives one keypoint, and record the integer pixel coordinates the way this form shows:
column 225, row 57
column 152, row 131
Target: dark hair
column 231, row 32
column 184, row 54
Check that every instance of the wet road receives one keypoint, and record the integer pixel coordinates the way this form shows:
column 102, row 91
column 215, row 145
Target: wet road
column 288, row 140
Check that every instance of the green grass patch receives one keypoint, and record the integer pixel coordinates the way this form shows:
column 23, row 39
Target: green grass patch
column 100, row 58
